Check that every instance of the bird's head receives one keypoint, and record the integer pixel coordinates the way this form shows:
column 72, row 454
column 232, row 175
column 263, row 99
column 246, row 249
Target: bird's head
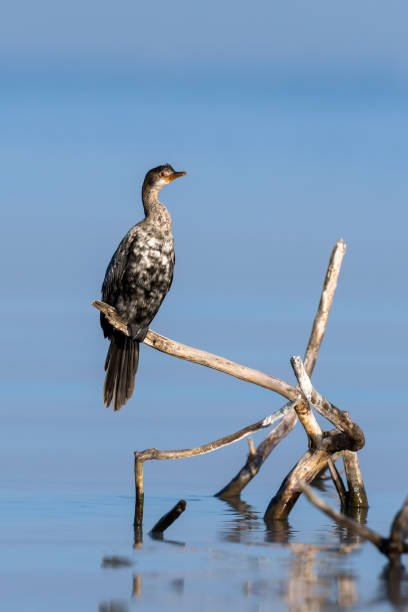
column 159, row 177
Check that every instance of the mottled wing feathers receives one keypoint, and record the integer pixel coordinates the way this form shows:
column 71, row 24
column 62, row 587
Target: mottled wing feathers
column 112, row 284
column 116, row 268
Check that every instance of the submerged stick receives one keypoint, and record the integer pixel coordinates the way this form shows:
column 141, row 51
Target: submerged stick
column 338, row 482
column 189, row 353
column 392, row 547
column 169, row 518
column 399, row 527
column 347, row 436
column 154, row 453
column 255, row 461
column 356, row 495
column 341, row 518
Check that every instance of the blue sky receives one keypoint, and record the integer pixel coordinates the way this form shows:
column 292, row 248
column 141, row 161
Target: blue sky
column 340, row 35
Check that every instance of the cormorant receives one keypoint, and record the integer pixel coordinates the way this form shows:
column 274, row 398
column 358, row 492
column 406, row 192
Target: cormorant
column 136, row 282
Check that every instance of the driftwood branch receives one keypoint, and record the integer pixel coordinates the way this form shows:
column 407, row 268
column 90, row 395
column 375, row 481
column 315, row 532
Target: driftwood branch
column 339, row 418
column 189, row 353
column 255, row 461
column 323, row 311
column 169, row 518
column 154, row 453
column 392, row 547
column 347, row 436
column 356, row 494
column 341, row 518
column 338, row 482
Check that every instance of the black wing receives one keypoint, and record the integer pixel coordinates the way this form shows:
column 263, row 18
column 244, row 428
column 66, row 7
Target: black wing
column 115, row 271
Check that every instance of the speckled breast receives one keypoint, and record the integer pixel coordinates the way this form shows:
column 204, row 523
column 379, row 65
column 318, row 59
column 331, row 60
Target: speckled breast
column 148, row 276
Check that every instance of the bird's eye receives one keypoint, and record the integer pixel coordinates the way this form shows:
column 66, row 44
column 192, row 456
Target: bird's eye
column 161, row 173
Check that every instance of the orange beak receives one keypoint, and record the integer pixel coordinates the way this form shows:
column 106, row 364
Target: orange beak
column 175, row 175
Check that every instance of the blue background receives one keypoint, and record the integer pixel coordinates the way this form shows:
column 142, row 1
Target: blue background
column 291, row 122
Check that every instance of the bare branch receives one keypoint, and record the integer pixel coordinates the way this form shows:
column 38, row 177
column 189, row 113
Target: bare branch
column 189, row 353
column 323, row 311
column 251, row 447
column 169, row 518
column 341, row 518
column 399, row 527
column 338, row 417
column 254, row 463
column 356, row 495
column 307, row 417
column 306, row 469
column 154, row 453
column 338, row 482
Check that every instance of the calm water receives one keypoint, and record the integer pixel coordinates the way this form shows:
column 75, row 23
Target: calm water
column 277, row 172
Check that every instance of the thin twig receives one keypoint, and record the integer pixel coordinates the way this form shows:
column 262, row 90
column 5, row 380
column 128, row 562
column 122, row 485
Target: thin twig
column 169, row 518
column 341, row 518
column 189, row 353
column 338, row 482
column 323, row 311
column 251, row 447
column 391, row 547
column 154, row 453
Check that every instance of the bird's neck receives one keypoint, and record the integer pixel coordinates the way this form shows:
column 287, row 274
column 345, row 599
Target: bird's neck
column 155, row 211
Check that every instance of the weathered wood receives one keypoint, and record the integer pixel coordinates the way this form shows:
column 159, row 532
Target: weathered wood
column 308, row 420
column 347, row 436
column 155, row 454
column 338, row 482
column 392, row 547
column 323, row 311
column 339, row 418
column 255, row 462
column 306, row 470
column 169, row 518
column 356, row 494
column 209, row 360
column 341, row 518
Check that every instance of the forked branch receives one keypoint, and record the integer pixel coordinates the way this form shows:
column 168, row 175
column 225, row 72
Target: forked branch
column 255, row 461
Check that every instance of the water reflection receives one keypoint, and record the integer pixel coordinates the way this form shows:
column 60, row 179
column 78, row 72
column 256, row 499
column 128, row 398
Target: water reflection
column 113, row 606
column 242, row 518
column 271, row 569
column 137, row 586
column 349, row 539
column 278, row 532
column 393, row 587
column 314, row 582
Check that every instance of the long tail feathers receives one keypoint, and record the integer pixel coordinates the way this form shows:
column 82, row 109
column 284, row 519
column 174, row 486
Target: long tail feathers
column 121, row 367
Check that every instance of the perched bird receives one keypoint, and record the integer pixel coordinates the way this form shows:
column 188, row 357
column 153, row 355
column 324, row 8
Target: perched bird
column 136, row 282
